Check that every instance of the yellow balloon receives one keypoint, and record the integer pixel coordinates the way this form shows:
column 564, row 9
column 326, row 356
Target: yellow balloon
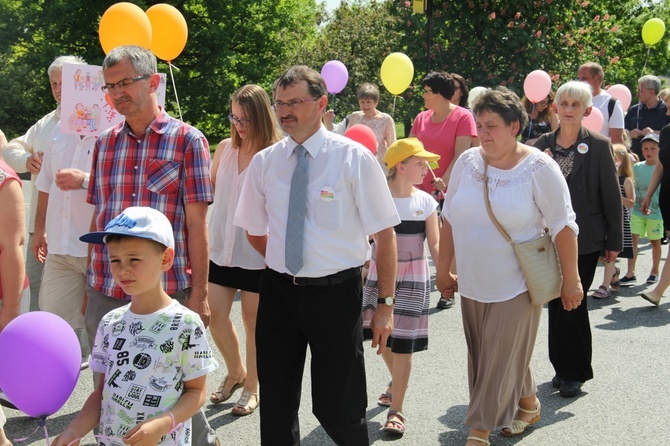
column 124, row 24
column 397, row 73
column 653, row 31
column 169, row 31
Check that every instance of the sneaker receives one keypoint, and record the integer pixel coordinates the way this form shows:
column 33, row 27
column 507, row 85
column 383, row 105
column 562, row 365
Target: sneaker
column 664, row 240
column 445, row 303
column 652, row 279
column 626, row 281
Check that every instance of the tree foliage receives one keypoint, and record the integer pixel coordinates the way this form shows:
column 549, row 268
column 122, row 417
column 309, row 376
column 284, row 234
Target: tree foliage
column 229, row 44
column 498, row 42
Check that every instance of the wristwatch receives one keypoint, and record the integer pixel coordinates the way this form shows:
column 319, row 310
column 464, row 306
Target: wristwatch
column 390, row 300
column 84, row 184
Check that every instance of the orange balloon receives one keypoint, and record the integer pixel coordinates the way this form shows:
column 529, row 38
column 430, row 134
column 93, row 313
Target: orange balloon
column 169, row 31
column 124, row 24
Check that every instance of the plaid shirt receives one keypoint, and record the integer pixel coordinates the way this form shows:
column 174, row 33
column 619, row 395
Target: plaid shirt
column 165, row 168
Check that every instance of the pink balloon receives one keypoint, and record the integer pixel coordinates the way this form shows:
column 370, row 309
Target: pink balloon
column 537, row 86
column 622, row 93
column 364, row 135
column 336, row 76
column 41, row 360
column 594, row 121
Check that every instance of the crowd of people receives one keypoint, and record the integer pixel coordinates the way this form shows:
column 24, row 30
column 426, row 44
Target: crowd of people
column 122, row 248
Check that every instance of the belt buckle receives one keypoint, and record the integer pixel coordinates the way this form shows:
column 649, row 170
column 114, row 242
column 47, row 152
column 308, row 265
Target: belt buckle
column 296, row 283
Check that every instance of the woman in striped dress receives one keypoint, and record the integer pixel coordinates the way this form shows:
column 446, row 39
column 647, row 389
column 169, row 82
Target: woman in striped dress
column 407, row 161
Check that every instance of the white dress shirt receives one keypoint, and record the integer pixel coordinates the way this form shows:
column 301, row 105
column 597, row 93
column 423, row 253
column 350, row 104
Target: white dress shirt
column 348, row 199
column 68, row 215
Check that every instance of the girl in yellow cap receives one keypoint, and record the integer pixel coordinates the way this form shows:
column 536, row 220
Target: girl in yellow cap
column 407, row 162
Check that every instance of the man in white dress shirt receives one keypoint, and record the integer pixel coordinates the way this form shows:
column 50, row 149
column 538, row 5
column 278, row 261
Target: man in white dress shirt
column 593, row 74
column 319, row 304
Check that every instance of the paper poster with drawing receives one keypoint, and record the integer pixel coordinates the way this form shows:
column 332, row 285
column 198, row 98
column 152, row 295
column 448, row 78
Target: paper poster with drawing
column 85, row 109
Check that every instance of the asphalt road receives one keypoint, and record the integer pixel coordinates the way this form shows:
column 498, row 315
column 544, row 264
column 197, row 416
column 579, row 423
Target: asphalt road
column 627, row 402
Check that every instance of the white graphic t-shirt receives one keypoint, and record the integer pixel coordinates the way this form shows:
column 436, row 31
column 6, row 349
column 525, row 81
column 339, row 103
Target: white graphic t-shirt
column 146, row 359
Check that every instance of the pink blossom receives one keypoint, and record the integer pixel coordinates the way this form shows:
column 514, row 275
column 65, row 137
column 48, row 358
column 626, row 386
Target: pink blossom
column 517, row 16
column 522, row 25
column 492, row 15
column 596, row 18
column 408, row 4
column 538, row 34
column 548, row 2
column 555, row 77
column 606, row 17
column 614, row 60
column 510, row 25
column 614, row 29
column 409, row 23
column 585, row 4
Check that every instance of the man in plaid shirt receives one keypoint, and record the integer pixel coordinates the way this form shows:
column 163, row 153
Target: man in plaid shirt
column 151, row 160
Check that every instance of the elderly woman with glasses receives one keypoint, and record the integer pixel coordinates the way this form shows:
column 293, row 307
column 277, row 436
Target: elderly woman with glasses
column 586, row 161
column 542, row 118
column 234, row 264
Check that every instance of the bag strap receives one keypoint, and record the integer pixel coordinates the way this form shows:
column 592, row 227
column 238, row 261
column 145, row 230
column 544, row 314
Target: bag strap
column 610, row 107
column 488, row 205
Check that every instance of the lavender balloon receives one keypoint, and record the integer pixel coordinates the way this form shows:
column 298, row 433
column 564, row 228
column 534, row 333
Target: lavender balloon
column 40, row 363
column 336, row 76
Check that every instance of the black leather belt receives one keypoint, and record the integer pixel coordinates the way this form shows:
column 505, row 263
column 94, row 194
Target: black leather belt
column 333, row 279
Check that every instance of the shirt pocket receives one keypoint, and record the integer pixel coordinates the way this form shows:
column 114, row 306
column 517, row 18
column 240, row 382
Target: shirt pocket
column 327, row 206
column 162, row 176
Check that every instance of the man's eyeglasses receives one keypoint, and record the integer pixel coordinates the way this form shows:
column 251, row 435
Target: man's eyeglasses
column 123, row 83
column 244, row 122
column 279, row 105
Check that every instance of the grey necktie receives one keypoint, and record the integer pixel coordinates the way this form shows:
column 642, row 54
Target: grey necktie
column 297, row 203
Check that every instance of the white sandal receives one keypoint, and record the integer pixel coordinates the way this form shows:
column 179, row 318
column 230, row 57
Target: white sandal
column 479, row 439
column 518, row 427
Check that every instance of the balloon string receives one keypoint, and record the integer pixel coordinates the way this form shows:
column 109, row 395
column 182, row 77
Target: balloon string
column 530, row 124
column 41, row 423
column 174, row 87
column 393, row 110
column 646, row 60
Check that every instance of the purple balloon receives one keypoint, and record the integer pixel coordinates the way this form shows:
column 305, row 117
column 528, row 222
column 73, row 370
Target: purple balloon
column 336, row 76
column 40, row 363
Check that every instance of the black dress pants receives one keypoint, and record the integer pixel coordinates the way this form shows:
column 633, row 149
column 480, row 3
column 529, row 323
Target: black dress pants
column 570, row 347
column 328, row 319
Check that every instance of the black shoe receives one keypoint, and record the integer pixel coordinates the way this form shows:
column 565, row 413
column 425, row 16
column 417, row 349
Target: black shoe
column 627, row 281
column 556, row 382
column 5, row 402
column 445, row 303
column 570, row 388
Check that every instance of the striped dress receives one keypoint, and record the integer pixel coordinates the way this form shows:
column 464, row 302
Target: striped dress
column 627, row 252
column 410, row 314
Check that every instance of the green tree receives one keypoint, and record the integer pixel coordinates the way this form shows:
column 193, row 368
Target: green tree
column 498, row 42
column 229, row 44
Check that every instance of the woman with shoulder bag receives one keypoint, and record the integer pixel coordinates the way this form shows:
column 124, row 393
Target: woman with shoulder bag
column 527, row 194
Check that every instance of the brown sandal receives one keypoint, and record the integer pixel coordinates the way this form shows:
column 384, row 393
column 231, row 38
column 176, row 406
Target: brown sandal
column 221, row 394
column 395, row 423
column 245, row 405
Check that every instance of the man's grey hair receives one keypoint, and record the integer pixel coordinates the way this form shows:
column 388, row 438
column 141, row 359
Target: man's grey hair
column 142, row 59
column 651, row 82
column 57, row 64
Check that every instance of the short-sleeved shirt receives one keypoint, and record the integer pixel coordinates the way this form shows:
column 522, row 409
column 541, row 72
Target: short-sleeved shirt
column 68, row 215
column 643, row 172
column 640, row 117
column 165, row 168
column 440, row 137
column 601, row 101
column 348, row 199
column 146, row 359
